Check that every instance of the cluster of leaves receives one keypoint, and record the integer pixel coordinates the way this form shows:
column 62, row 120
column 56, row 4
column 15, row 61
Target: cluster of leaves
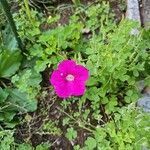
column 7, row 142
column 116, row 62
column 12, row 100
column 123, row 132
column 44, row 48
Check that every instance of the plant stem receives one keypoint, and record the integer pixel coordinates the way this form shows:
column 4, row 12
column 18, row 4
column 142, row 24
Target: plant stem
column 6, row 9
column 81, row 125
column 28, row 12
column 76, row 2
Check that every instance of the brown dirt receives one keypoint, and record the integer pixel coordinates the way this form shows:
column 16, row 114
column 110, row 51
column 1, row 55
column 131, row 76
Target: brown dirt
column 48, row 109
column 116, row 8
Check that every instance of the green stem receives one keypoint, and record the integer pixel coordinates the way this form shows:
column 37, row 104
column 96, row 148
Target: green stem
column 4, row 107
column 76, row 2
column 28, row 12
column 3, row 84
column 6, row 9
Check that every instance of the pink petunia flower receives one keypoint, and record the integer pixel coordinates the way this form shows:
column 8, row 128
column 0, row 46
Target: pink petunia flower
column 69, row 79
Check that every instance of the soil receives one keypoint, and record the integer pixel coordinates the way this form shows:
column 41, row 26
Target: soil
column 48, row 109
column 49, row 105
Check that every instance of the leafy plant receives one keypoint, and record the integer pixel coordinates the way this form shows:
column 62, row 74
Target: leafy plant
column 71, row 134
column 8, row 14
column 28, row 81
column 12, row 101
column 43, row 146
column 7, row 142
column 115, row 61
column 6, row 139
column 90, row 143
column 24, row 146
column 51, row 128
column 122, row 135
column 10, row 56
column 122, row 132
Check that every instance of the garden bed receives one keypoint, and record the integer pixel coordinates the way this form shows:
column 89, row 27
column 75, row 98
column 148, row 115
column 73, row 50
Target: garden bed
column 96, row 35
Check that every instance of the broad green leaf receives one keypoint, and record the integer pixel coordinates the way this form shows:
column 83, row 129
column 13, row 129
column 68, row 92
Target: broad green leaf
column 20, row 101
column 9, row 40
column 10, row 62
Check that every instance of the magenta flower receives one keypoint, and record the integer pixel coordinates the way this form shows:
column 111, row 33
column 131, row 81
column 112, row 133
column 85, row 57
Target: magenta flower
column 69, row 79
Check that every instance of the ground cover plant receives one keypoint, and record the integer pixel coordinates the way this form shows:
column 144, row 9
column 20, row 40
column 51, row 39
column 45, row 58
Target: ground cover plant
column 40, row 110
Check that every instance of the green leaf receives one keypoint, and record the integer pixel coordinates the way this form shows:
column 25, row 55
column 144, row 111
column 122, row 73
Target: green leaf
column 135, row 73
column 71, row 134
column 20, row 101
column 92, row 81
column 6, row 139
column 147, row 81
column 41, row 65
column 129, row 93
column 24, row 146
column 28, row 81
column 9, row 40
column 99, row 134
column 3, row 95
column 7, row 116
column 10, row 62
column 90, row 143
column 43, row 146
column 92, row 94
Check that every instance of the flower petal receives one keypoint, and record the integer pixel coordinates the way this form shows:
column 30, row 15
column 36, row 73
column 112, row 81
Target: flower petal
column 63, row 90
column 78, row 88
column 56, row 78
column 66, row 66
column 81, row 73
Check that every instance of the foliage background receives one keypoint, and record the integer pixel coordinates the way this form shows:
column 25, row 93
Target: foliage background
column 116, row 59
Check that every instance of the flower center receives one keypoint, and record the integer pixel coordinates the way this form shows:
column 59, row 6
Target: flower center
column 70, row 77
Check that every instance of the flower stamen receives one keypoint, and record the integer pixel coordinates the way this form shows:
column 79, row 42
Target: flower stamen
column 69, row 77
